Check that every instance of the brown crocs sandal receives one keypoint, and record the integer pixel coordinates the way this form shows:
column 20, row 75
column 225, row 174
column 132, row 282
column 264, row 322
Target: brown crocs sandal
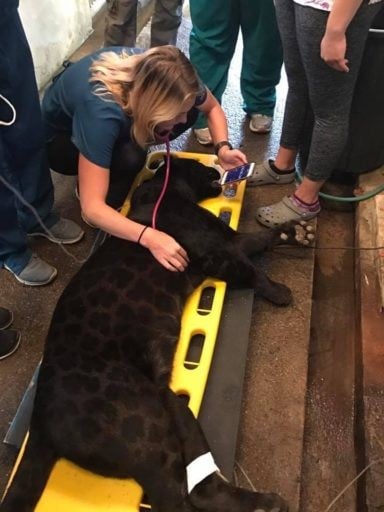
column 283, row 211
column 263, row 174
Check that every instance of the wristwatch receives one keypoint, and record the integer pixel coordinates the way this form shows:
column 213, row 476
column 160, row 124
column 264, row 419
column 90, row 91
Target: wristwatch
column 219, row 145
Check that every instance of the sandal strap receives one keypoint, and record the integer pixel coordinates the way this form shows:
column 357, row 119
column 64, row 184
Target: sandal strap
column 305, row 215
column 274, row 175
column 264, row 174
column 284, row 211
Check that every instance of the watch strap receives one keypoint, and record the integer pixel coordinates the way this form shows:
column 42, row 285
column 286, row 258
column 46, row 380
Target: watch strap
column 219, row 145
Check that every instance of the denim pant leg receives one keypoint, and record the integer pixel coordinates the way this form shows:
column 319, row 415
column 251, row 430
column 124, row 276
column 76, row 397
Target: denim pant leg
column 14, row 251
column 23, row 158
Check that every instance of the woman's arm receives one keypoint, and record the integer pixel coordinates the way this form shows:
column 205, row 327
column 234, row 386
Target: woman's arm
column 334, row 45
column 217, row 123
column 93, row 188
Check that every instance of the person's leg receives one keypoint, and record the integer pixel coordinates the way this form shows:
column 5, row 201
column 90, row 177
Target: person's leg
column 294, row 123
column 15, row 255
column 331, row 94
column 262, row 56
column 63, row 155
column 165, row 22
column 281, row 169
column 297, row 101
column 120, row 23
column 215, row 27
column 23, row 164
column 127, row 161
column 23, row 141
column 13, row 238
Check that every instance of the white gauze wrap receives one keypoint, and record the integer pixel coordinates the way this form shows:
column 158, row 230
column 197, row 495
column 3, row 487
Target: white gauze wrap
column 199, row 469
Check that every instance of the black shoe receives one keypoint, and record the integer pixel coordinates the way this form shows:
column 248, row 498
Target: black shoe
column 9, row 342
column 6, row 318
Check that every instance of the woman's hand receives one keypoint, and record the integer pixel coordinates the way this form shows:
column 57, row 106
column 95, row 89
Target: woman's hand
column 333, row 49
column 333, row 46
column 229, row 158
column 94, row 182
column 165, row 250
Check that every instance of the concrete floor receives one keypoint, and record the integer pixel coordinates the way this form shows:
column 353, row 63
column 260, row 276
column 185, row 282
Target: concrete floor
column 272, row 431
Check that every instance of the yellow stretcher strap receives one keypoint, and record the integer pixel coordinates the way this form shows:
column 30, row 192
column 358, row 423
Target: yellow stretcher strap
column 73, row 489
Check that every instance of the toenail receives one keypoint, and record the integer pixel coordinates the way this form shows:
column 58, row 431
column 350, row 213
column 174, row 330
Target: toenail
column 311, row 237
column 309, row 228
column 284, row 236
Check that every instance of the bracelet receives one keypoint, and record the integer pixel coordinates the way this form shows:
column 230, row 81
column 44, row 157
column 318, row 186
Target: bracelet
column 141, row 234
column 219, row 145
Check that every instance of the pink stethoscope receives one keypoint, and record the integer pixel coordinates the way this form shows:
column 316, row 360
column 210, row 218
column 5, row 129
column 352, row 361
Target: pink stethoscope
column 165, row 184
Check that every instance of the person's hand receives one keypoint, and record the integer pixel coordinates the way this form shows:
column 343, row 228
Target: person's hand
column 333, row 49
column 165, row 249
column 229, row 158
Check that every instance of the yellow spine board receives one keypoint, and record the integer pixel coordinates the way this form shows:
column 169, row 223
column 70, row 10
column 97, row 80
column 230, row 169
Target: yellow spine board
column 73, row 489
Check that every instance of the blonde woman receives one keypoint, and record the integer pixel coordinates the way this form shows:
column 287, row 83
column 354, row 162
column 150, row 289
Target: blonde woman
column 104, row 112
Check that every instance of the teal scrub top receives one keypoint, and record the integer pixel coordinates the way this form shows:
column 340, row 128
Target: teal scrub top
column 94, row 122
column 71, row 105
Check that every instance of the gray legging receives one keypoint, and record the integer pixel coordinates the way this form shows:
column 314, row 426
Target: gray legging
column 314, row 85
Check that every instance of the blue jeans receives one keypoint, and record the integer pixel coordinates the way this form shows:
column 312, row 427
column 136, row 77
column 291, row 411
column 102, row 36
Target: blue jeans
column 23, row 162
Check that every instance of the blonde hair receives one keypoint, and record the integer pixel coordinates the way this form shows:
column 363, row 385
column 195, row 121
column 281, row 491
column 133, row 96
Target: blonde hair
column 152, row 87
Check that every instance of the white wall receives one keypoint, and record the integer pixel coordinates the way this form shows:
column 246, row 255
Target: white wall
column 96, row 5
column 55, row 29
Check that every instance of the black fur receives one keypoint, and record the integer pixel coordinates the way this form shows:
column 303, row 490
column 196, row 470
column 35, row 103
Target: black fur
column 103, row 400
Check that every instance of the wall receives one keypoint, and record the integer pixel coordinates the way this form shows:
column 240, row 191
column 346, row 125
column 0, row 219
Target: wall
column 55, row 29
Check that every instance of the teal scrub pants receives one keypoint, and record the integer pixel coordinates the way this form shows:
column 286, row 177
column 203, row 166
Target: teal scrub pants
column 215, row 28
